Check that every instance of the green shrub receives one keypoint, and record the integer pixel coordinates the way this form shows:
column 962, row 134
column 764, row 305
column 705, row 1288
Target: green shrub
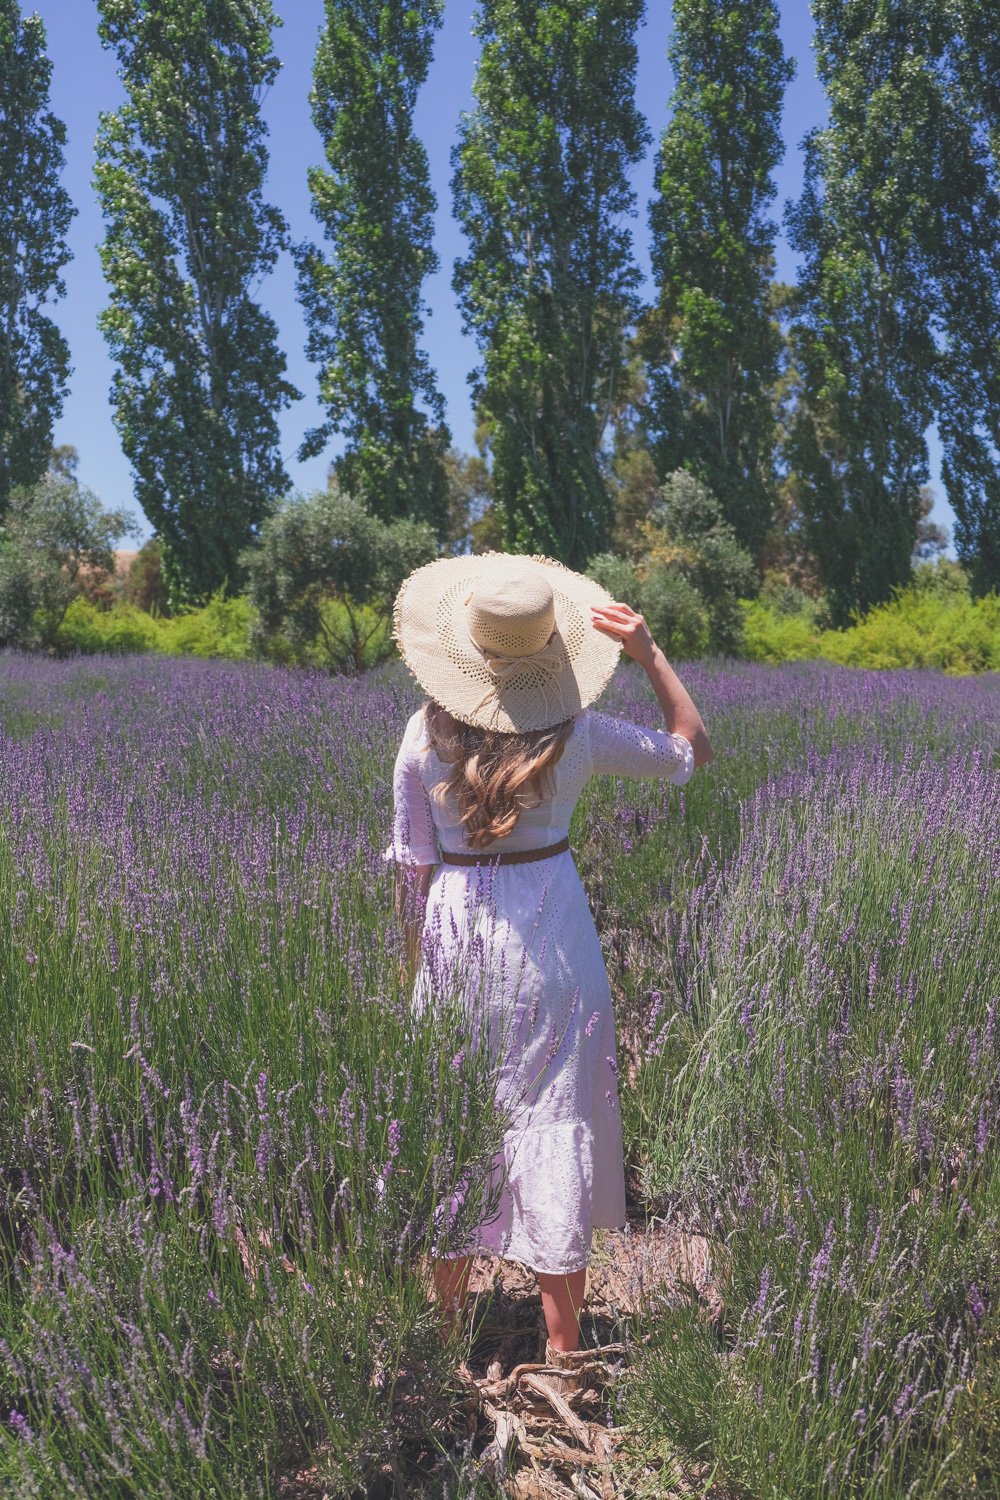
column 56, row 545
column 689, row 581
column 771, row 635
column 144, row 584
column 934, row 623
column 958, row 635
column 356, row 636
column 323, row 578
column 220, row 629
column 87, row 630
column 674, row 610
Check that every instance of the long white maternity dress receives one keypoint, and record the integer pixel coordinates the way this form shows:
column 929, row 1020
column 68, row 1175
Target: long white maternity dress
column 522, row 941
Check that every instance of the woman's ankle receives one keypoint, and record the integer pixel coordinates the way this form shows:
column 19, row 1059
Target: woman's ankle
column 562, row 1301
column 451, row 1281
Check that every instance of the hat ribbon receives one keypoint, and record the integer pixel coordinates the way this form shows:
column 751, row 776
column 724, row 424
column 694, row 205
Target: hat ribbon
column 549, row 662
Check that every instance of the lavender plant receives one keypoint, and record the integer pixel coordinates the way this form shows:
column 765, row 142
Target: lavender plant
column 227, row 1141
column 817, row 1056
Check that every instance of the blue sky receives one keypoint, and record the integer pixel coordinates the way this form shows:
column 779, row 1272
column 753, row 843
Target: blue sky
column 85, row 81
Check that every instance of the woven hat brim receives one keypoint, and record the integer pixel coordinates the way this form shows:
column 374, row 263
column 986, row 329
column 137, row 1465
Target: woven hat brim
column 433, row 641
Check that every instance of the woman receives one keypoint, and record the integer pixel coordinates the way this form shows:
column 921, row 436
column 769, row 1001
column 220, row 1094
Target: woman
column 512, row 651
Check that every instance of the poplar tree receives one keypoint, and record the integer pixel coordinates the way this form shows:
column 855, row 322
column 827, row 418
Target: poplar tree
column 200, row 378
column 881, row 181
column 711, row 341
column 548, row 288
column 35, row 214
column 362, row 301
column 969, row 417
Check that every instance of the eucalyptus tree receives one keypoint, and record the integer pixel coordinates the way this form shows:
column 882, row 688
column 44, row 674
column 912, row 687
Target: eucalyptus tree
column 882, row 180
column 711, row 341
column 549, row 286
column 200, row 378
column 363, row 300
column 35, row 214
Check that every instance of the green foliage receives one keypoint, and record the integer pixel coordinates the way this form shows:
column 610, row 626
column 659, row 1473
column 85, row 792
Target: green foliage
column 883, row 182
column 363, row 304
column 123, row 630
column 919, row 630
column 935, row 622
column 633, row 482
column 943, row 578
column 327, row 547
column 219, row 630
column 691, row 577
column 472, row 519
column 35, row 214
column 348, row 637
column 773, row 635
column 55, row 537
column 688, row 529
column 144, row 585
column 711, row 340
column 636, row 491
column 200, row 376
column 787, row 598
column 548, row 288
column 969, row 415
column 674, row 610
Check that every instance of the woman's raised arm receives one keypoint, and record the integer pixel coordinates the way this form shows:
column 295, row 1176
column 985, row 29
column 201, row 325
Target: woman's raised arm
column 679, row 713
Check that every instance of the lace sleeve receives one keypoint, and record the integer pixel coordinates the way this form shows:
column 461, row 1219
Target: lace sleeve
column 414, row 837
column 618, row 748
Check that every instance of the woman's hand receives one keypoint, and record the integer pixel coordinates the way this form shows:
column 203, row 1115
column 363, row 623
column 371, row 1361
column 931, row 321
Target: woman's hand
column 630, row 628
column 679, row 713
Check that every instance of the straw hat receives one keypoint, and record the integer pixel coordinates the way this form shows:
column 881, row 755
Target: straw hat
column 504, row 642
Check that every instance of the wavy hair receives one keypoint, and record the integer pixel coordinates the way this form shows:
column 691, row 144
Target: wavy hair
column 494, row 776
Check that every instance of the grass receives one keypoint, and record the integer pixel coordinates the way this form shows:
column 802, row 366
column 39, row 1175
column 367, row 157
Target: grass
column 228, row 1145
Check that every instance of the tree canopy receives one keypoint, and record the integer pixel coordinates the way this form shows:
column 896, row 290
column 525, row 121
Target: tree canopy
column 200, row 378
column 969, row 415
column 35, row 215
column 55, row 539
column 363, row 301
column 711, row 340
column 549, row 286
column 882, row 181
column 327, row 547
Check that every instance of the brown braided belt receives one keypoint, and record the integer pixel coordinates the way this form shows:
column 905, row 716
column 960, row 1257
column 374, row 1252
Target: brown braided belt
column 521, row 857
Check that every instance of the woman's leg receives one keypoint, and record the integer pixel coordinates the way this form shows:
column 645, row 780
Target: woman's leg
column 562, row 1299
column 451, row 1278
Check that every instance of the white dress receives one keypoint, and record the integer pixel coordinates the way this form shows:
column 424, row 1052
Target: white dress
column 521, row 942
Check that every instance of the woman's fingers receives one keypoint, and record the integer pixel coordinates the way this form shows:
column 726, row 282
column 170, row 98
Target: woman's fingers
column 616, row 618
column 613, row 604
column 631, row 629
column 620, row 613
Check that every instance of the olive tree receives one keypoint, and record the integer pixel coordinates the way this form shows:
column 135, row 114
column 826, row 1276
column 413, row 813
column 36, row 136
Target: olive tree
column 323, row 578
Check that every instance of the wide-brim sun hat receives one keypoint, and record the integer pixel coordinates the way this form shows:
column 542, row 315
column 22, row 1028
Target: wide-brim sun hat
column 505, row 642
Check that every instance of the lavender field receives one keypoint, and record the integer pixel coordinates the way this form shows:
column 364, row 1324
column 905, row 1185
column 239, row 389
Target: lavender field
column 225, row 1140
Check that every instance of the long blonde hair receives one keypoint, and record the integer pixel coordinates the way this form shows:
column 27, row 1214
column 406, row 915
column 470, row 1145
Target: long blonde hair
column 494, row 776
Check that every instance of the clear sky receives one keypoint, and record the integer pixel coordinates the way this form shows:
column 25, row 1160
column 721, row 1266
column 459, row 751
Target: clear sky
column 85, row 81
